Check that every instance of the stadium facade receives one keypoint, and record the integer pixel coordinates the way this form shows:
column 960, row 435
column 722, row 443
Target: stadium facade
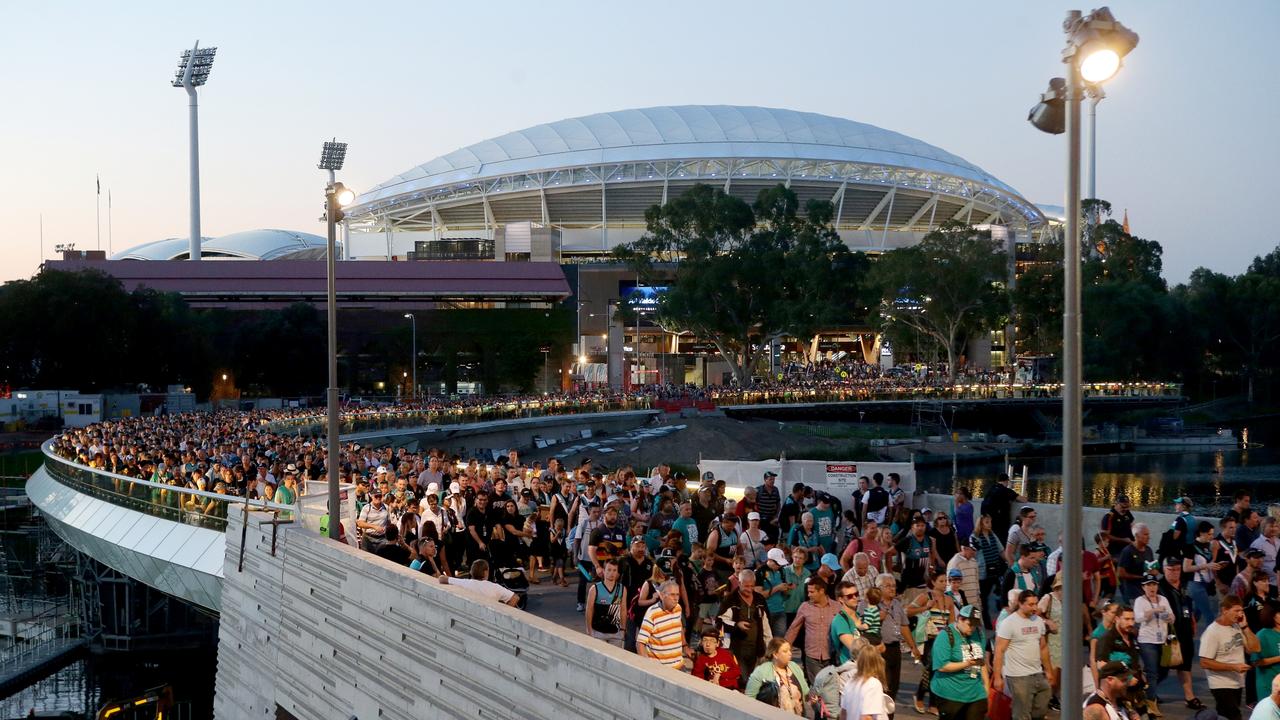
column 553, row 200
column 576, row 188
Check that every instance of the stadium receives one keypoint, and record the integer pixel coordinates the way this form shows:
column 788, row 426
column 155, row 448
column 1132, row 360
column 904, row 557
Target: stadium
column 576, row 188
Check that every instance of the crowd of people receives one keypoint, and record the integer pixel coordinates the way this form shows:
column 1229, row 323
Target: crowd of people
column 794, row 596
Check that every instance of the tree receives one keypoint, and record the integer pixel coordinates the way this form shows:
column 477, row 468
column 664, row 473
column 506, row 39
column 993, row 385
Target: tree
column 745, row 276
column 1037, row 300
column 948, row 288
column 1241, row 316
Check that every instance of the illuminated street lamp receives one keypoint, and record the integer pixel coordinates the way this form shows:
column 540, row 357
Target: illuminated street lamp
column 1096, row 47
column 413, row 325
column 336, row 197
column 193, row 71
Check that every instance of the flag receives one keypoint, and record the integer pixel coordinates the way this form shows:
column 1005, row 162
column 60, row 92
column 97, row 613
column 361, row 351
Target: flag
column 1125, row 224
column 99, row 181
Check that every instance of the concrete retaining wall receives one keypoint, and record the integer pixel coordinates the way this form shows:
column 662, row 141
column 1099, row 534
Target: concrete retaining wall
column 330, row 633
column 1049, row 516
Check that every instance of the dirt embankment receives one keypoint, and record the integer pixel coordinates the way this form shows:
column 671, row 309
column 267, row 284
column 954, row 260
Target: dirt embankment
column 712, row 437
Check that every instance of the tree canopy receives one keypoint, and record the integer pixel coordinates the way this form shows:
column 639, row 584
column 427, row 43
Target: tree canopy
column 746, row 275
column 944, row 290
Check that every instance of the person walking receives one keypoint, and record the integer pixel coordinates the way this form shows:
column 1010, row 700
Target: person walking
column 814, row 617
column 661, row 634
column 959, row 681
column 894, row 631
column 1222, row 655
column 1153, row 615
column 778, row 681
column 1022, row 660
column 864, row 695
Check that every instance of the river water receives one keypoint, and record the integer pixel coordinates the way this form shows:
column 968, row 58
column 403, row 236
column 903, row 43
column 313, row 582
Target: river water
column 1151, row 479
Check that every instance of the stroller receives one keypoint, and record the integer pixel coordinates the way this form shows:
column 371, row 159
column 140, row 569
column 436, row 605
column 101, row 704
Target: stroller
column 515, row 580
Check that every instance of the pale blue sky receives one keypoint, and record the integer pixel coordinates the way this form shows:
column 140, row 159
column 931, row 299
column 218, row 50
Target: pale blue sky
column 1187, row 135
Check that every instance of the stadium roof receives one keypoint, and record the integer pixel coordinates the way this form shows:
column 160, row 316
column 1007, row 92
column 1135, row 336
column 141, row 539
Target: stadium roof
column 680, row 145
column 248, row 245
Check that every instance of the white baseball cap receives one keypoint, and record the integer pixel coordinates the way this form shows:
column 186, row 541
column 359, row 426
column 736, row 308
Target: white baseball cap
column 779, row 556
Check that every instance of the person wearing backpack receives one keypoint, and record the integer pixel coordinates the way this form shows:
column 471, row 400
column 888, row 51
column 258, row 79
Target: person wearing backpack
column 960, row 681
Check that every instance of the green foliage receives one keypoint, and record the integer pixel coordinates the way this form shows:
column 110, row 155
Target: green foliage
column 1239, row 318
column 944, row 290
column 82, row 330
column 746, row 275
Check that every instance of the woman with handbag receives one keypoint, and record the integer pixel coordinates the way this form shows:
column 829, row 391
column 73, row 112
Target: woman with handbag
column 1154, row 615
column 779, row 681
column 1182, row 642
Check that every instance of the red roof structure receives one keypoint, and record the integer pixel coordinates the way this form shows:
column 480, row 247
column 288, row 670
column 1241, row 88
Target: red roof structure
column 373, row 284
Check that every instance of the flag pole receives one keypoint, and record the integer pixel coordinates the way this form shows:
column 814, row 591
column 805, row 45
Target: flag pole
column 109, row 250
column 41, row 239
column 97, row 210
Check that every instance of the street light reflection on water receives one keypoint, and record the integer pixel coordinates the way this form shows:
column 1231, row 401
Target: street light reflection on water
column 1151, row 480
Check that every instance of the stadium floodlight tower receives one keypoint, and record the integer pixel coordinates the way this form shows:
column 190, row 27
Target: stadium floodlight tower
column 193, row 71
column 336, row 197
column 1096, row 46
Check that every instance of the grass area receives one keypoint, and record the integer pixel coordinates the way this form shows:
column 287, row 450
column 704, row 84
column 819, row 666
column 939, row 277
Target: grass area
column 851, row 431
column 15, row 467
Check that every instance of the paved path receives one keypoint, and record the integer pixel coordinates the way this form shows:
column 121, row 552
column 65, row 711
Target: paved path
column 556, row 604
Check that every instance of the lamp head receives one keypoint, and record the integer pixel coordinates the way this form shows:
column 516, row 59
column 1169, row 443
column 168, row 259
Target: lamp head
column 342, row 195
column 1100, row 44
column 1050, row 114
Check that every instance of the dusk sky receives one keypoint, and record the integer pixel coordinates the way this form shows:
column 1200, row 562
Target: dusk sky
column 1188, row 131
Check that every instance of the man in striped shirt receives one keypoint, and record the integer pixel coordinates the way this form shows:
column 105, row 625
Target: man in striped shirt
column 661, row 634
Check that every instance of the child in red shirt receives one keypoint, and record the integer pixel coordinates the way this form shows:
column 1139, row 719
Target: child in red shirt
column 715, row 663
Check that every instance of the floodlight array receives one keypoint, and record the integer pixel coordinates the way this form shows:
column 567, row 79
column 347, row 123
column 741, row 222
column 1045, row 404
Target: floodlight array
column 332, row 155
column 199, row 68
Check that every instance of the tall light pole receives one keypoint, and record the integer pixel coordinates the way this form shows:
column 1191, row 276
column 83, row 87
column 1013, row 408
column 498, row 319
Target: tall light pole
column 1096, row 45
column 1096, row 94
column 413, row 328
column 336, row 196
column 193, row 71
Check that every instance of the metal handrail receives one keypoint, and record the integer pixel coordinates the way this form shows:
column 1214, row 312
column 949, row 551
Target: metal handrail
column 89, row 480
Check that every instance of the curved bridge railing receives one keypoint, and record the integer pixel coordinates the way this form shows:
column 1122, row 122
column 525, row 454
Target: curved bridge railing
column 170, row 502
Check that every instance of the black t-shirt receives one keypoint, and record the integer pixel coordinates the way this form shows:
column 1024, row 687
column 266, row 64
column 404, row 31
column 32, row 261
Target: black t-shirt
column 480, row 520
column 608, row 542
column 998, row 503
column 1118, row 526
column 1112, row 647
column 947, row 545
column 790, row 515
column 635, row 574
column 394, row 552
column 703, row 516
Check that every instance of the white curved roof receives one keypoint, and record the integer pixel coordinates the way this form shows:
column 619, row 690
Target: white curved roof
column 266, row 244
column 676, row 133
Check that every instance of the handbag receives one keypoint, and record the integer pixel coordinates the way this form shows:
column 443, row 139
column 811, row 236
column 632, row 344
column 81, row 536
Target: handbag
column 999, row 705
column 1171, row 653
column 768, row 693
